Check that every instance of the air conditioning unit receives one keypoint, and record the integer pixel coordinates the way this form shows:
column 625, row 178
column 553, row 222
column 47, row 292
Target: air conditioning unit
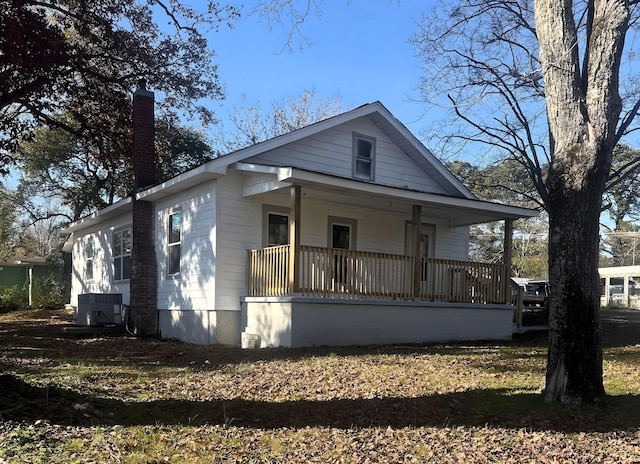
column 100, row 309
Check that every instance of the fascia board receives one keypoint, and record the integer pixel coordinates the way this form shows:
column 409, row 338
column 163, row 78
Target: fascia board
column 182, row 182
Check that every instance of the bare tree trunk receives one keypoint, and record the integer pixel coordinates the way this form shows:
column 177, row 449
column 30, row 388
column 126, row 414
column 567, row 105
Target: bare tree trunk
column 574, row 364
column 583, row 107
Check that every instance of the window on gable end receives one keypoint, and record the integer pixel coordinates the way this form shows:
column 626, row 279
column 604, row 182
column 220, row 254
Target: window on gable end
column 364, row 152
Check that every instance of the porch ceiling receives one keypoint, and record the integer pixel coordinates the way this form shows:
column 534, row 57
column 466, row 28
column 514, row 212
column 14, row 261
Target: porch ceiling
column 458, row 211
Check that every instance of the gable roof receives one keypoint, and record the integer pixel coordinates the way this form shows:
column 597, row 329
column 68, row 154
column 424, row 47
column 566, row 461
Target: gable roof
column 376, row 112
column 386, row 122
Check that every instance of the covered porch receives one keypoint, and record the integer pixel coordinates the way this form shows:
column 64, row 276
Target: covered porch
column 301, row 294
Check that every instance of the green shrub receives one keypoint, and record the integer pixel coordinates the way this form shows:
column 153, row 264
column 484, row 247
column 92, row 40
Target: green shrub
column 47, row 292
column 13, row 298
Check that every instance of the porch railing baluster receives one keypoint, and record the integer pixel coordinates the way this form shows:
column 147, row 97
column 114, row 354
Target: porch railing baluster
column 338, row 273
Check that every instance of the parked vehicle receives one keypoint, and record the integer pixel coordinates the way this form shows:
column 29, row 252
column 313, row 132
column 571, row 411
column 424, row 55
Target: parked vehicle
column 536, row 293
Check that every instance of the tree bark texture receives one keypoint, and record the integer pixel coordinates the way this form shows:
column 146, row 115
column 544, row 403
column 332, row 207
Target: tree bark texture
column 583, row 107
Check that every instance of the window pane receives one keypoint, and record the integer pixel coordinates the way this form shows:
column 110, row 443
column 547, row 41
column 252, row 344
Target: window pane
column 89, row 272
column 117, row 243
column 364, row 149
column 126, row 267
column 126, row 242
column 424, row 246
column 174, row 259
column 363, row 169
column 341, row 236
column 90, row 250
column 117, row 269
column 175, row 222
column 278, row 229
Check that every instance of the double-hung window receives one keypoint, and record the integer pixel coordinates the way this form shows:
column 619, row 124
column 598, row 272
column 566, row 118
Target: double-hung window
column 90, row 257
column 174, row 242
column 122, row 254
column 364, row 151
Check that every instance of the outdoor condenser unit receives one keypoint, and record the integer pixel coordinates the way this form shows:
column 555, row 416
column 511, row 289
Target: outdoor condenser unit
column 99, row 309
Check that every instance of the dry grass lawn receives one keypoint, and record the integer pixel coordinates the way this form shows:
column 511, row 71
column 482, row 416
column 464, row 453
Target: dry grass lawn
column 124, row 400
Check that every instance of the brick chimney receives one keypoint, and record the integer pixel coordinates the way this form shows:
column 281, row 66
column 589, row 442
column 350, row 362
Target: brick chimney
column 143, row 312
column 144, row 133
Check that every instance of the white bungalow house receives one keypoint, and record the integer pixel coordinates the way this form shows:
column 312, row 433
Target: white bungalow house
column 347, row 231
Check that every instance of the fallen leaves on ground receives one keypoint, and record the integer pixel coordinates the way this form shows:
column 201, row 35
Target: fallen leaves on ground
column 121, row 399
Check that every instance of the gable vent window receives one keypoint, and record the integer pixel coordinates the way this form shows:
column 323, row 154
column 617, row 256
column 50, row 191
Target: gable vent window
column 364, row 151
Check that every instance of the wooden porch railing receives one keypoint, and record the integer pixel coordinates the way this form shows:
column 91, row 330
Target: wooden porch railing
column 268, row 271
column 462, row 281
column 337, row 273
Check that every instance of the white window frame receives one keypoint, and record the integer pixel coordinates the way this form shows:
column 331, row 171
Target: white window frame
column 119, row 259
column 268, row 210
column 174, row 244
column 359, row 159
column 351, row 223
column 341, row 268
column 90, row 254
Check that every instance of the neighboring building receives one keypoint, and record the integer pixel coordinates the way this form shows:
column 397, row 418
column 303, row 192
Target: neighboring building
column 347, row 231
column 19, row 272
column 618, row 286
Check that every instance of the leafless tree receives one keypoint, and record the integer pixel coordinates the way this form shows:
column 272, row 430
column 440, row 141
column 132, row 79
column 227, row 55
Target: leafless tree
column 252, row 123
column 540, row 81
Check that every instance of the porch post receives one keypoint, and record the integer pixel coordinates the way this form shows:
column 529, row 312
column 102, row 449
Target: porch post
column 625, row 291
column 416, row 221
column 508, row 258
column 294, row 240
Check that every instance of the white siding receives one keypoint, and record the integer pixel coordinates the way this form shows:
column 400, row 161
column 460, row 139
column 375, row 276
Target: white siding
column 214, row 276
column 330, row 152
column 194, row 287
column 102, row 281
column 240, row 224
column 379, row 231
column 451, row 243
column 239, row 229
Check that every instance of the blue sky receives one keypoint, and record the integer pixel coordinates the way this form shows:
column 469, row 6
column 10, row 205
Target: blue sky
column 360, row 51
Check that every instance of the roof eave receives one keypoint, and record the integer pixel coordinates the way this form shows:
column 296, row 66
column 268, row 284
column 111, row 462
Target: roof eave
column 487, row 210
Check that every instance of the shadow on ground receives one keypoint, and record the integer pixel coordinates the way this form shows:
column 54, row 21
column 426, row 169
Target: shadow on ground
column 21, row 401
column 25, row 402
